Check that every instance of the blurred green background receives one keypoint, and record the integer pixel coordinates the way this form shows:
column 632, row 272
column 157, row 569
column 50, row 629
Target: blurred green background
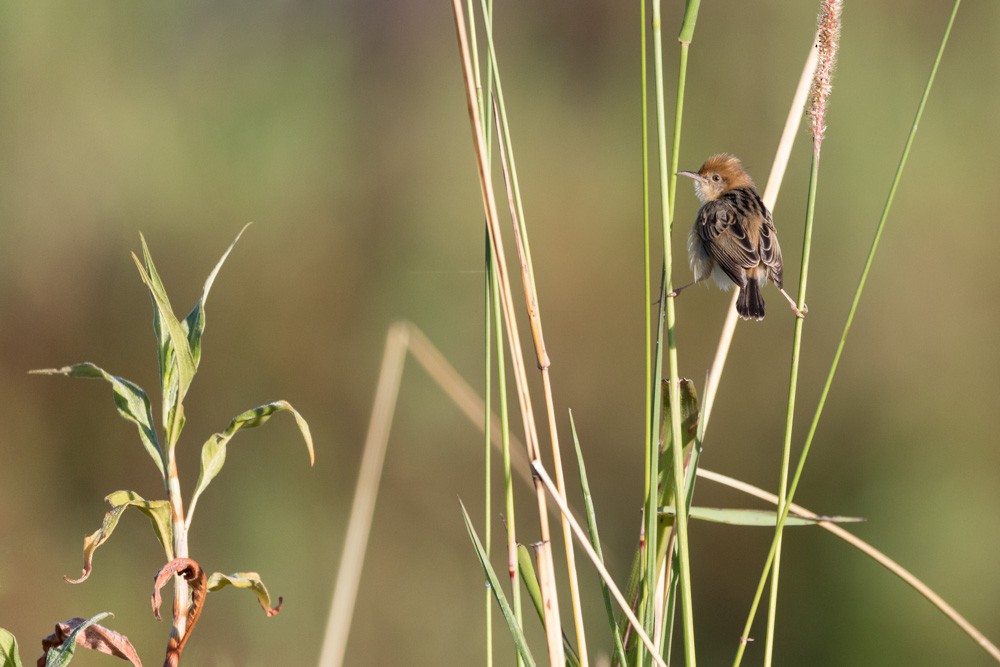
column 340, row 129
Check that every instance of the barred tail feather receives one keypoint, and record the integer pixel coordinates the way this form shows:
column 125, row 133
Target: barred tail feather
column 750, row 303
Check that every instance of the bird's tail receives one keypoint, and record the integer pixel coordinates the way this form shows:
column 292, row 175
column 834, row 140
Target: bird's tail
column 750, row 303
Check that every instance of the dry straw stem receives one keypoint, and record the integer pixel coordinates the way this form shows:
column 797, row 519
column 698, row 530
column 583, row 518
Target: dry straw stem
column 603, row 571
column 783, row 511
column 550, row 603
column 770, row 197
column 827, row 43
column 535, row 317
column 352, row 557
column 404, row 337
column 775, row 178
column 873, row 553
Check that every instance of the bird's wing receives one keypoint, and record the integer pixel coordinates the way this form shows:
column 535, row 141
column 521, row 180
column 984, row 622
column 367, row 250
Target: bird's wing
column 770, row 251
column 725, row 239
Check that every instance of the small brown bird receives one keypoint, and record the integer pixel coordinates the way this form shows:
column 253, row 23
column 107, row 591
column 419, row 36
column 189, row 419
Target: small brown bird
column 733, row 239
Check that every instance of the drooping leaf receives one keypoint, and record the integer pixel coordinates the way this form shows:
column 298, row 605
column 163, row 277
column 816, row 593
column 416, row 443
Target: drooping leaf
column 491, row 577
column 158, row 512
column 194, row 323
column 745, row 517
column 213, row 452
column 248, row 580
column 59, row 655
column 9, row 654
column 195, row 577
column 165, row 322
column 93, row 636
column 130, row 399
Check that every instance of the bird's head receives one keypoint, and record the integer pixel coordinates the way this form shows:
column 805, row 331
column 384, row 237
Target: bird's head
column 720, row 174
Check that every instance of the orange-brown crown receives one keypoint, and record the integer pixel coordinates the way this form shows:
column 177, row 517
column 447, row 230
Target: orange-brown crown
column 720, row 174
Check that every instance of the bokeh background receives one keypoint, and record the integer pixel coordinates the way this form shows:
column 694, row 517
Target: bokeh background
column 340, row 130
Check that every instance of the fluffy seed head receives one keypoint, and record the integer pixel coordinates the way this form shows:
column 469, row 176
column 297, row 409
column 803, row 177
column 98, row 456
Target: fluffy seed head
column 828, row 42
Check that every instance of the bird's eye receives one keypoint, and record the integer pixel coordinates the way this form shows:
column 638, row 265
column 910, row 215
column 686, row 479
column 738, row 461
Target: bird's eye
column 716, row 178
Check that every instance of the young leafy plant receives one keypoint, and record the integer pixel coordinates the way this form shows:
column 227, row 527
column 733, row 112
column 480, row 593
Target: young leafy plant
column 179, row 354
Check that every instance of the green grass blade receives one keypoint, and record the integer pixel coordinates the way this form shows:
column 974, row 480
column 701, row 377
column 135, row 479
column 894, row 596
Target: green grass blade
column 194, row 323
column 515, row 631
column 847, row 325
column 745, row 517
column 526, row 567
column 167, row 322
column 595, row 540
column 666, row 208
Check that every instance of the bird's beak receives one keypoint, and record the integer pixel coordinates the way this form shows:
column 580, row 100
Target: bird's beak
column 692, row 174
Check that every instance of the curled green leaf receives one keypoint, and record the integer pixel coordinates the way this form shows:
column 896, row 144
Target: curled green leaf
column 9, row 654
column 158, row 511
column 247, row 580
column 213, row 452
column 130, row 399
column 159, row 515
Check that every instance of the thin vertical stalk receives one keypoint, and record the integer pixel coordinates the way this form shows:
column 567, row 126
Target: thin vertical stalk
column 180, row 541
column 553, row 627
column 770, row 197
column 675, row 154
column 352, row 557
column 666, row 593
column 490, row 293
column 650, row 458
column 538, row 471
column 595, row 542
column 827, row 45
column 784, row 509
column 793, row 382
column 674, row 379
column 535, row 322
column 542, row 358
column 513, row 568
column 650, row 530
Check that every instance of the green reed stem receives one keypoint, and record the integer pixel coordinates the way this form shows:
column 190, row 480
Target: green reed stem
column 687, row 616
column 847, row 327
